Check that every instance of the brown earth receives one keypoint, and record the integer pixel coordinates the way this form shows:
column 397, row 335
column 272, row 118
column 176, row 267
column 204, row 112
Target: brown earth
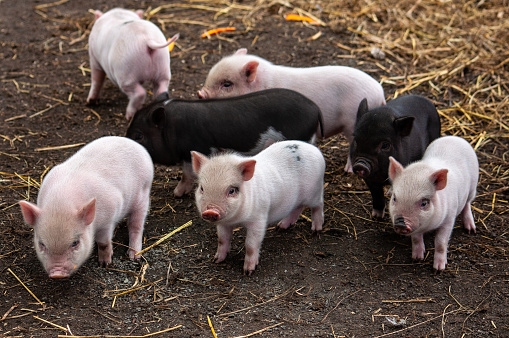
column 352, row 279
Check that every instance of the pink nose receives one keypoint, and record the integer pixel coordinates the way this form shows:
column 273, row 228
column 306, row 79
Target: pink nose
column 210, row 215
column 201, row 94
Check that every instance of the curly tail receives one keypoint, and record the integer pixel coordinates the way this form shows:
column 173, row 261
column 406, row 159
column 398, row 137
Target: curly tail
column 153, row 45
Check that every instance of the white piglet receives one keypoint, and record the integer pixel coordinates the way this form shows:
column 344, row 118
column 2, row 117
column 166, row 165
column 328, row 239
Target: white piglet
column 81, row 201
column 429, row 194
column 275, row 185
column 336, row 90
column 130, row 51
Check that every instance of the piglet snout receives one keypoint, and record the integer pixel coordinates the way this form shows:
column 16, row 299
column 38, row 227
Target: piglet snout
column 210, row 215
column 401, row 227
column 201, row 94
column 58, row 273
column 362, row 168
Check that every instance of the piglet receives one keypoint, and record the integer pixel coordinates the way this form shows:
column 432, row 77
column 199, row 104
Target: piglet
column 337, row 90
column 429, row 194
column 272, row 186
column 130, row 51
column 170, row 129
column 402, row 129
column 81, row 200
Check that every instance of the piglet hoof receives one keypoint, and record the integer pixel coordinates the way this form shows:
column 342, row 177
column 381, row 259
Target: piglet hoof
column 132, row 254
column 469, row 227
column 283, row 224
column 348, row 167
column 105, row 253
column 250, row 266
column 92, row 102
column 418, row 257
column 218, row 259
column 104, row 264
column 378, row 213
column 439, row 264
column 248, row 272
column 316, row 227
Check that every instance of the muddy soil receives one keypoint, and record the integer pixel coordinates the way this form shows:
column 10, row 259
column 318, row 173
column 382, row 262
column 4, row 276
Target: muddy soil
column 354, row 279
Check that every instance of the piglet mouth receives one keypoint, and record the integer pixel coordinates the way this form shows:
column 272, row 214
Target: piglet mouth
column 400, row 226
column 58, row 273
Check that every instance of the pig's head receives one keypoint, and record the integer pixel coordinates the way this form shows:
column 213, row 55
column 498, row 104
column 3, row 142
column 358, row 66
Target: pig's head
column 414, row 195
column 377, row 135
column 220, row 191
column 63, row 239
column 234, row 75
column 148, row 129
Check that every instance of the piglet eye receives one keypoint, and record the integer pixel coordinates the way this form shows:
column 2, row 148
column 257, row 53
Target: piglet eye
column 138, row 137
column 424, row 203
column 75, row 244
column 42, row 246
column 394, row 198
column 227, row 84
column 385, row 146
column 233, row 191
column 201, row 189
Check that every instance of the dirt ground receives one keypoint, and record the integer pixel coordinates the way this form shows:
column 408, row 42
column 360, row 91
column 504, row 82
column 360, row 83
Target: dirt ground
column 354, row 279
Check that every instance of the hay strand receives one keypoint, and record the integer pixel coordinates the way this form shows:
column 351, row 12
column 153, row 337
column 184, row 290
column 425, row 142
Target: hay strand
column 23, row 284
column 165, row 237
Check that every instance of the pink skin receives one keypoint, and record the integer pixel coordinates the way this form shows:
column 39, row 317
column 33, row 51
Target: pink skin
column 185, row 185
column 84, row 198
column 429, row 194
column 337, row 90
column 288, row 176
column 131, row 51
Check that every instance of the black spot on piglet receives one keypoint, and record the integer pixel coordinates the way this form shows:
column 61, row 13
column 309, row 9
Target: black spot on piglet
column 293, row 147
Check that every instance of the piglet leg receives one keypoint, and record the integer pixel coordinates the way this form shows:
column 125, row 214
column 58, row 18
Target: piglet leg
column 377, row 194
column 441, row 242
column 136, row 94
column 185, row 184
column 104, row 247
column 98, row 77
column 254, row 238
column 135, row 226
column 161, row 87
column 291, row 218
column 418, row 248
column 224, row 236
column 317, row 218
column 468, row 218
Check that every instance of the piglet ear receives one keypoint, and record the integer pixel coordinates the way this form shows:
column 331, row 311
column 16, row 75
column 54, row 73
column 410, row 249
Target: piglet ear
column 395, row 168
column 158, row 116
column 241, row 51
column 249, row 70
column 198, row 161
column 247, row 168
column 439, row 179
column 87, row 212
column 363, row 108
column 98, row 14
column 164, row 96
column 403, row 125
column 30, row 212
column 139, row 13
